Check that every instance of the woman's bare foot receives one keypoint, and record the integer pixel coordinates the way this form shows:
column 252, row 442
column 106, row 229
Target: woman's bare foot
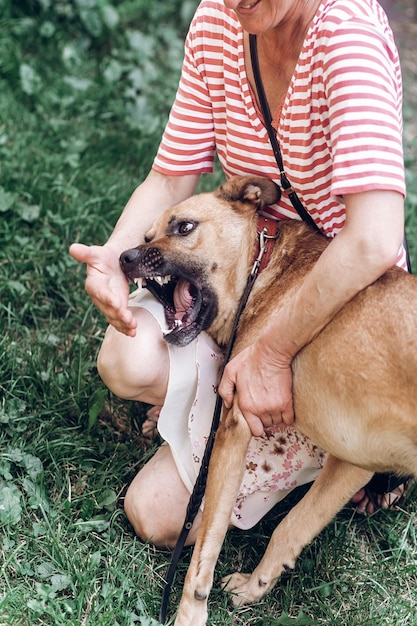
column 367, row 502
column 150, row 425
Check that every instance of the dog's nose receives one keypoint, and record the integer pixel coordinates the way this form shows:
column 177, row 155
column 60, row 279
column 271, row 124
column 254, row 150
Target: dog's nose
column 129, row 258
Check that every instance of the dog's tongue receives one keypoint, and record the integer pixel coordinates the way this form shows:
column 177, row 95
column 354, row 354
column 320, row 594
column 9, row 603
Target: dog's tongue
column 182, row 298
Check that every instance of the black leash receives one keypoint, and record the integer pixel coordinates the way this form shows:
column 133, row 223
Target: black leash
column 200, row 485
column 266, row 112
column 407, row 253
column 285, row 183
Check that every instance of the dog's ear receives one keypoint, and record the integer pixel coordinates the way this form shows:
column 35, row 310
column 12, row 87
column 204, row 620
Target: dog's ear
column 256, row 190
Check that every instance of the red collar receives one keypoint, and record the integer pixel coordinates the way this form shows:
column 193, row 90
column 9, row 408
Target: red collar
column 267, row 228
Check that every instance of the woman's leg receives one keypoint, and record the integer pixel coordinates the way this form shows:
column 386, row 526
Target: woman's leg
column 136, row 368
column 156, row 502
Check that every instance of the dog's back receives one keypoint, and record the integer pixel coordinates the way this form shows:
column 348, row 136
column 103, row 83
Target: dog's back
column 355, row 384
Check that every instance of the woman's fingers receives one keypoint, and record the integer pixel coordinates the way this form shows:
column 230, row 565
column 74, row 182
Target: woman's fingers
column 263, row 389
column 106, row 285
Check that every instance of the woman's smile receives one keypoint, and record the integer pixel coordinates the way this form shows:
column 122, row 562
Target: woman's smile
column 248, row 6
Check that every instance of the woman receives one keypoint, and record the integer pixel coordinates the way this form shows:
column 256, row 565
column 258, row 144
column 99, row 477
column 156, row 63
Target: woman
column 332, row 79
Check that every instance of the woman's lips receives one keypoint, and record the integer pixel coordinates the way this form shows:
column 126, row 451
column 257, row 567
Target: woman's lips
column 247, row 6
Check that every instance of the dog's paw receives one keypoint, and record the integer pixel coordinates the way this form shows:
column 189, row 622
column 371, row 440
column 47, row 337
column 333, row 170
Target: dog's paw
column 190, row 620
column 237, row 584
column 191, row 612
column 246, row 588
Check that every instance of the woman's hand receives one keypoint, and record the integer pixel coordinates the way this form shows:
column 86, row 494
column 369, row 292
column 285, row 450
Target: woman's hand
column 106, row 285
column 263, row 383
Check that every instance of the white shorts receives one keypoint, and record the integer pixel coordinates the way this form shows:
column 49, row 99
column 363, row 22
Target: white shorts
column 276, row 463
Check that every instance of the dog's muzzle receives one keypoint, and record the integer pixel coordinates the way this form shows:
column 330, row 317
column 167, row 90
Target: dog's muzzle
column 150, row 261
column 189, row 304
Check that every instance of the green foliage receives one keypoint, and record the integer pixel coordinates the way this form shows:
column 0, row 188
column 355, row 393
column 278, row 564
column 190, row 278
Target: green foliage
column 411, row 201
column 85, row 90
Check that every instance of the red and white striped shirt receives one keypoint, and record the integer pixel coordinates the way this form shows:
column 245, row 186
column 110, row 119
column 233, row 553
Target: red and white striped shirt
column 340, row 124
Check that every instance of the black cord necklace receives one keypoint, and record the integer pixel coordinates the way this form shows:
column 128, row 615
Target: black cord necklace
column 263, row 102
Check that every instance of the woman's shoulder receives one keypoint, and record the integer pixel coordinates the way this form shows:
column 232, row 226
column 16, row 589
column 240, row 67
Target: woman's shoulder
column 353, row 28
column 211, row 13
column 336, row 13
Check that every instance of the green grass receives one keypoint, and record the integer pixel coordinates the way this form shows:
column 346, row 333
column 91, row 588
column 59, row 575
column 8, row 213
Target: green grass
column 85, row 89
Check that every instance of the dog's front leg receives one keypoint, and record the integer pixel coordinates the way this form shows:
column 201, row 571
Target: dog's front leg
column 335, row 486
column 226, row 468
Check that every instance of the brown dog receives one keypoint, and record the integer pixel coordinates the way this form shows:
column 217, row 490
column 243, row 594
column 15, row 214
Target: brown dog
column 355, row 384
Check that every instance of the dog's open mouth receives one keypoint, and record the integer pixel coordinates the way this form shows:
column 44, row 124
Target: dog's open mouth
column 182, row 302
column 189, row 302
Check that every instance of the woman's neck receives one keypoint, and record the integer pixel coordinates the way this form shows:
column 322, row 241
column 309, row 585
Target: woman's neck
column 279, row 50
column 286, row 39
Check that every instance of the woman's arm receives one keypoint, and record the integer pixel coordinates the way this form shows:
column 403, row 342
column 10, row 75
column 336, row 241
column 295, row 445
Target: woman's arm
column 106, row 284
column 366, row 247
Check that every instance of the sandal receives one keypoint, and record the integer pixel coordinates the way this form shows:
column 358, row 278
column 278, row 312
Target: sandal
column 384, row 491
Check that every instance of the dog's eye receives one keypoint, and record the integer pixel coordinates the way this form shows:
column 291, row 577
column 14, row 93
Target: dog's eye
column 184, row 228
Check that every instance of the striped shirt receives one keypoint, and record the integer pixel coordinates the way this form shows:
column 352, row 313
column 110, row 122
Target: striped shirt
column 340, row 123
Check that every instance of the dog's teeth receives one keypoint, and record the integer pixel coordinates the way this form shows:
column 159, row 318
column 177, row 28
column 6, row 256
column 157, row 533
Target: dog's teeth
column 161, row 280
column 178, row 323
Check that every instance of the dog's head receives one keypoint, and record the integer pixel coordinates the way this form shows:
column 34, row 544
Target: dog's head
column 198, row 254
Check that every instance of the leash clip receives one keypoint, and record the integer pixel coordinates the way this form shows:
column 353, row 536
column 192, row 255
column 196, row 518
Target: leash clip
column 262, row 248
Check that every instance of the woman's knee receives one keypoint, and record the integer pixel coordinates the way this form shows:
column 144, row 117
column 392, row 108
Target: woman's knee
column 136, row 368
column 142, row 511
column 156, row 502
